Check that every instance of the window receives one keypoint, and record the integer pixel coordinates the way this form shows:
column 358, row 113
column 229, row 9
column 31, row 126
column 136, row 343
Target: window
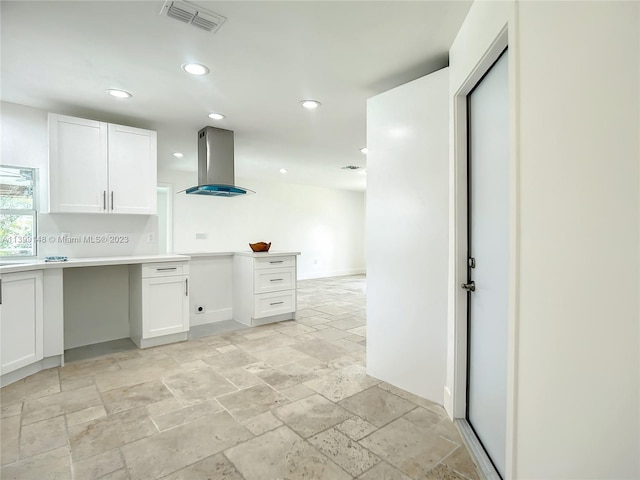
column 17, row 212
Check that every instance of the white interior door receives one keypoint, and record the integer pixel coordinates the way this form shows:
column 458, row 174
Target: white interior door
column 488, row 110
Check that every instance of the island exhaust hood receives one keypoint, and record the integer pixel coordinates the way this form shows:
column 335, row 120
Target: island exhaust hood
column 216, row 165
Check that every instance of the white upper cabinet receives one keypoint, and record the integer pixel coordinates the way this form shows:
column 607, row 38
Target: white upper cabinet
column 97, row 167
column 132, row 170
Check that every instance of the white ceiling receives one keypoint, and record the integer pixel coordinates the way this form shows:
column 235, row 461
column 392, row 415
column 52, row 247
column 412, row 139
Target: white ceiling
column 268, row 55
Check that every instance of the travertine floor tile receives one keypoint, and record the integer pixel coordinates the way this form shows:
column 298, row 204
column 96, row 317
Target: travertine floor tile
column 347, row 323
column 320, row 349
column 43, row 436
column 356, row 428
column 240, row 377
column 348, row 454
column 252, row 401
column 280, row 356
column 197, row 386
column 51, row 465
column 9, row 439
column 40, row 384
column 343, row 383
column 286, row 376
column 461, row 462
column 125, row 398
column 377, row 406
column 139, row 370
column 41, row 408
column 442, row 472
column 281, row 454
column 96, row 467
column 85, row 415
column 311, row 415
column 186, row 414
column 297, row 392
column 229, row 359
column 83, row 368
column 262, row 423
column 7, row 411
column 384, row 471
column 408, row 447
column 267, row 343
column 115, row 430
column 174, row 449
column 211, row 468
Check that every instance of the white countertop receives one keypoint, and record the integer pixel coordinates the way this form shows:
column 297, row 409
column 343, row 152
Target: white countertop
column 249, row 253
column 208, row 254
column 90, row 262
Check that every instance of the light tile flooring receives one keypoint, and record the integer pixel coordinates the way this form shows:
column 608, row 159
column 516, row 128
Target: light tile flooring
column 282, row 401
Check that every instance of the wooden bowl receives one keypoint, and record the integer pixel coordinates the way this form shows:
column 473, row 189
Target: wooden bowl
column 260, row 246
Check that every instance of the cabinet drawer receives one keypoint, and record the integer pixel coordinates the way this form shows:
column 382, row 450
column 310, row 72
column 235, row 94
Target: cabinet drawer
column 271, row 262
column 274, row 279
column 163, row 269
column 267, row 304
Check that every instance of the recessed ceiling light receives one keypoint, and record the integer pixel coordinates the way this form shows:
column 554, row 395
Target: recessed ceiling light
column 178, row 155
column 195, row 68
column 114, row 92
column 310, row 104
column 284, row 170
column 364, row 150
column 216, row 116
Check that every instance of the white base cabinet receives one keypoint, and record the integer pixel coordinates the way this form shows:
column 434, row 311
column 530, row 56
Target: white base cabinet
column 264, row 287
column 159, row 303
column 21, row 320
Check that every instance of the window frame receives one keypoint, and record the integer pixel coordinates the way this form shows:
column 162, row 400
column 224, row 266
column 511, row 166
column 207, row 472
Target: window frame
column 33, row 212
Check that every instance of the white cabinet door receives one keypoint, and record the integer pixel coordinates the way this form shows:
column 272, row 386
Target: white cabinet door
column 132, row 170
column 21, row 320
column 165, row 306
column 77, row 165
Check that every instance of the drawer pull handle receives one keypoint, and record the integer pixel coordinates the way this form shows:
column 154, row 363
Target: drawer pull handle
column 276, row 279
column 277, row 261
column 276, row 303
column 164, row 269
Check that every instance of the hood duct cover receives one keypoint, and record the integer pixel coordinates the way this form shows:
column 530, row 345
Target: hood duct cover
column 216, row 165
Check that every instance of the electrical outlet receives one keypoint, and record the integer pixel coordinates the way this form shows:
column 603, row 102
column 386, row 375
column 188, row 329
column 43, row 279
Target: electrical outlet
column 201, row 236
column 315, row 262
column 150, row 237
column 200, row 309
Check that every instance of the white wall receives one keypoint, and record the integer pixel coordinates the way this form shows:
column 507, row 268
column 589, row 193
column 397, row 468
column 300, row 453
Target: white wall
column 407, row 228
column 325, row 225
column 210, row 286
column 96, row 304
column 25, row 143
column 575, row 199
column 579, row 218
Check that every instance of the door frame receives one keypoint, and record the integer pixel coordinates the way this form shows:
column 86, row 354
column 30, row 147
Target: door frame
column 169, row 232
column 459, row 247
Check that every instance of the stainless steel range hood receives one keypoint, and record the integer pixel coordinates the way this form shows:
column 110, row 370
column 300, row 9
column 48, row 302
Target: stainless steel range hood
column 216, row 165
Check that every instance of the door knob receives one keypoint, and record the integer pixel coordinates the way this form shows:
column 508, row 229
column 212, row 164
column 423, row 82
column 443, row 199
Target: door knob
column 469, row 287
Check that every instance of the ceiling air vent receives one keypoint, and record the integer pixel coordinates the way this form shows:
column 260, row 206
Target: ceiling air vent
column 193, row 15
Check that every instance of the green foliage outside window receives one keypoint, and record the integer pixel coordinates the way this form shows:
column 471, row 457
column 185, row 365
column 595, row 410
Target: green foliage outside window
column 17, row 212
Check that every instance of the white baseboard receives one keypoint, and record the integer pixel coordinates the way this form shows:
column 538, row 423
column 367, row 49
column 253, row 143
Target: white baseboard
column 19, row 374
column 332, row 273
column 211, row 316
column 448, row 402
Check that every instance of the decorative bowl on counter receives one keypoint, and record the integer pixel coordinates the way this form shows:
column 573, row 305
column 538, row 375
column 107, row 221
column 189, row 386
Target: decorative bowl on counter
column 260, row 246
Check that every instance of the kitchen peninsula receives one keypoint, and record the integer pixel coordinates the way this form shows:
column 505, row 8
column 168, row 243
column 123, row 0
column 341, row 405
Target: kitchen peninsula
column 48, row 307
